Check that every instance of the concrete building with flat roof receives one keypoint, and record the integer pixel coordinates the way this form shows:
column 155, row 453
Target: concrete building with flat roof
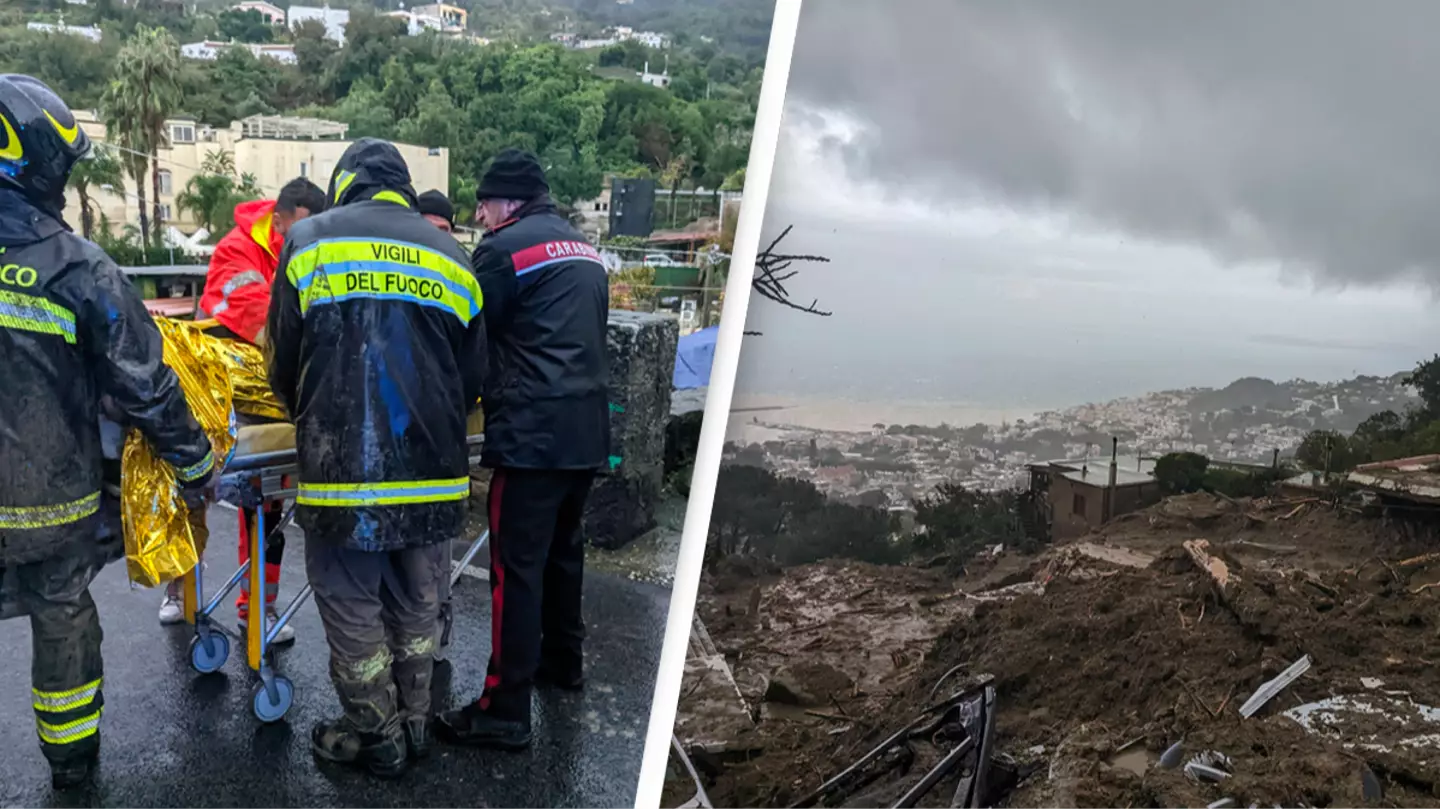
column 1076, row 496
column 274, row 149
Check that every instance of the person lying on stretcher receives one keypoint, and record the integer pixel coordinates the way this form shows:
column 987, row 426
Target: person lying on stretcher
column 237, row 298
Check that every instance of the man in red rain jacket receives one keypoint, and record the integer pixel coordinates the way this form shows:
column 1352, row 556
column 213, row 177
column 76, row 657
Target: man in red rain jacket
column 237, row 296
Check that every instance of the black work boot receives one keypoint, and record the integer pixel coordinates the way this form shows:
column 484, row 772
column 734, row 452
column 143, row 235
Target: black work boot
column 570, row 680
column 73, row 772
column 413, row 678
column 72, row 766
column 476, row 727
column 369, row 735
column 418, row 739
column 382, row 753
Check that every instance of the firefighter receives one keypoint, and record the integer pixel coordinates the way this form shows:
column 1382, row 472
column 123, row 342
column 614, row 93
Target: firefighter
column 72, row 332
column 377, row 350
column 547, row 433
column 237, row 296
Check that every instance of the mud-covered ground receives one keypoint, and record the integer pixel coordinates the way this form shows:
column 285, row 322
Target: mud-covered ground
column 1104, row 652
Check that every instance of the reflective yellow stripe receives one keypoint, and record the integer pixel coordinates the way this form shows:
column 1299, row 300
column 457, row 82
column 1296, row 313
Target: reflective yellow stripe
column 390, row 493
column 198, row 469
column 391, row 196
column 70, row 732
column 335, row 270
column 40, row 517
column 34, row 314
column 343, row 179
column 67, row 700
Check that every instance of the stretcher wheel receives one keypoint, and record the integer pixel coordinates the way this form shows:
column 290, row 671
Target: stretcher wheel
column 268, row 710
column 206, row 661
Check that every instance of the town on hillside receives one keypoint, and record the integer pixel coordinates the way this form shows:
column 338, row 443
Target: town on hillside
column 1246, row 422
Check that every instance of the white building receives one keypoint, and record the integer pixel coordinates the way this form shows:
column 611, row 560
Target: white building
column 272, row 13
column 651, row 39
column 416, row 22
column 334, row 19
column 454, row 18
column 209, row 50
column 88, row 32
column 274, row 149
column 655, row 79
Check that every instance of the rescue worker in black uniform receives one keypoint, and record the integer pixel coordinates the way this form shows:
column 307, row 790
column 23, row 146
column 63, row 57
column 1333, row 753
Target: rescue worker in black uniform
column 72, row 332
column 377, row 350
column 547, row 433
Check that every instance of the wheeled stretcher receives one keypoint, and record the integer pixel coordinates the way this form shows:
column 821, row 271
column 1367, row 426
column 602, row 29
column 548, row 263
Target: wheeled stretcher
column 262, row 473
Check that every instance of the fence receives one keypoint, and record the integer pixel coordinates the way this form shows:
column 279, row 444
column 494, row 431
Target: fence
column 694, row 307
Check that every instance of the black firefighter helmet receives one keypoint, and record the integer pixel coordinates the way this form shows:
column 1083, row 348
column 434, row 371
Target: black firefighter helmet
column 40, row 140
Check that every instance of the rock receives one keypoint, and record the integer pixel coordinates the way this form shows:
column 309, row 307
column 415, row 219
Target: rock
column 642, row 364
column 807, row 684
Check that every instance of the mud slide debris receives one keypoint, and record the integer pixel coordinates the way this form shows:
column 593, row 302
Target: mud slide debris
column 1200, row 653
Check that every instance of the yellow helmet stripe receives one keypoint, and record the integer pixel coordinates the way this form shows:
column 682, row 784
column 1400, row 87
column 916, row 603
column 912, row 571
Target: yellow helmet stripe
column 68, row 133
column 12, row 150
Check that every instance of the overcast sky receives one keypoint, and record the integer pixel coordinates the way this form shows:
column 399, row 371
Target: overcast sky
column 1041, row 203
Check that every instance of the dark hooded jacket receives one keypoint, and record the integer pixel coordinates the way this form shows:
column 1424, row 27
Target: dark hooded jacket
column 377, row 349
column 73, row 330
column 548, row 300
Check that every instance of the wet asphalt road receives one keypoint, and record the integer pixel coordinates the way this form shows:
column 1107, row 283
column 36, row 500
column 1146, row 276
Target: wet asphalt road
column 173, row 738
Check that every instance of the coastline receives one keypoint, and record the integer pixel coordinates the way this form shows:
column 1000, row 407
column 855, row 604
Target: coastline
column 846, row 415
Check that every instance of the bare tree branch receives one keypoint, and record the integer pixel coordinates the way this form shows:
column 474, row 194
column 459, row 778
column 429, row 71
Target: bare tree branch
column 770, row 269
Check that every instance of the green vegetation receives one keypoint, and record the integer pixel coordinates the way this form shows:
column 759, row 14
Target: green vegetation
column 960, row 522
column 144, row 91
column 1386, row 435
column 1179, row 473
column 425, row 89
column 211, row 196
column 786, row 520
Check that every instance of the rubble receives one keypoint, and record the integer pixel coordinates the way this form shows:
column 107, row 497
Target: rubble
column 1116, row 661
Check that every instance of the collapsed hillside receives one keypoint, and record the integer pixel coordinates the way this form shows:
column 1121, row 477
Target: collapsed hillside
column 1105, row 653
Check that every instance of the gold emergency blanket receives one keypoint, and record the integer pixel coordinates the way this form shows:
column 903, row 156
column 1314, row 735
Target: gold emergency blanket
column 250, row 383
column 217, row 377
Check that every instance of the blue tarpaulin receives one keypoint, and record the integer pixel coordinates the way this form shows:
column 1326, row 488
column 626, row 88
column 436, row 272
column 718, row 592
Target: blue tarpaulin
column 693, row 357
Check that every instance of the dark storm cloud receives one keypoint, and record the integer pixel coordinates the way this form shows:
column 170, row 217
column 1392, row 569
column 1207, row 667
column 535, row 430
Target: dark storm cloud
column 1304, row 131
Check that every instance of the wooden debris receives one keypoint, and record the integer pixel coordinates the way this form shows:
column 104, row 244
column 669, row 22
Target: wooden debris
column 1293, row 512
column 1199, row 551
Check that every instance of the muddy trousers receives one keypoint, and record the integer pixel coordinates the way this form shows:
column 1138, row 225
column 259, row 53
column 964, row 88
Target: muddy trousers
column 65, row 665
column 537, row 568
column 379, row 610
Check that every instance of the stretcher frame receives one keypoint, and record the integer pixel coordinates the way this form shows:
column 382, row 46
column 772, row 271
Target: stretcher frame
column 262, row 479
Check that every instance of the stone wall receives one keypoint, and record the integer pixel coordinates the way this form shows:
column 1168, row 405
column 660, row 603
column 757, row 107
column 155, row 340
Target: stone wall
column 642, row 367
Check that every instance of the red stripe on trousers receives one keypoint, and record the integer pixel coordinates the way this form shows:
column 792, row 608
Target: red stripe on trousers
column 497, row 592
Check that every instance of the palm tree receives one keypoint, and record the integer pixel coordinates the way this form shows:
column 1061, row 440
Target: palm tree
column 207, row 196
column 143, row 93
column 218, row 161
column 212, row 199
column 102, row 169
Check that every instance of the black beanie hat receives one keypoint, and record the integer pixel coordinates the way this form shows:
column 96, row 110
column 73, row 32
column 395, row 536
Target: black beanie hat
column 514, row 174
column 436, row 204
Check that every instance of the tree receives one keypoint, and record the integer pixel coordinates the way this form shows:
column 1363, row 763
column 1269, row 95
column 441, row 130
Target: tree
column 961, row 522
column 212, row 198
column 1425, row 379
column 1181, row 472
column 1385, row 426
column 102, row 169
column 144, row 92
column 245, row 26
column 1325, row 450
